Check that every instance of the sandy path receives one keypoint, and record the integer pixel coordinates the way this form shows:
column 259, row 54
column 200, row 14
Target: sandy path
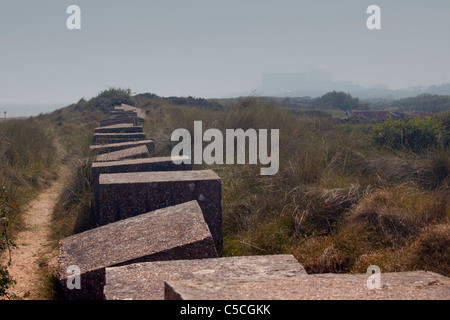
column 35, row 251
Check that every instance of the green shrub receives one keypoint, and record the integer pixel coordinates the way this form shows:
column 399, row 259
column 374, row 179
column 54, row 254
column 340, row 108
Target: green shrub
column 414, row 133
column 339, row 100
column 109, row 98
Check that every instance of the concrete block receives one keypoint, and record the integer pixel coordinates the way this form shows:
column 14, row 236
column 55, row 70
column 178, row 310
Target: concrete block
column 125, row 195
column 109, row 138
column 105, row 148
column 119, row 128
column 121, row 120
column 128, row 108
column 133, row 165
column 138, row 165
column 130, row 153
column 118, row 114
column 172, row 233
column 418, row 285
column 145, row 281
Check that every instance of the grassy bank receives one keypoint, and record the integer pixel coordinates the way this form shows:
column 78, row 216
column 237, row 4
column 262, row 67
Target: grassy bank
column 28, row 163
column 340, row 202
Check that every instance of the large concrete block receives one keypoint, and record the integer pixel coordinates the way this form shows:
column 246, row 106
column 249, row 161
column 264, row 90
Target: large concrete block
column 105, row 148
column 145, row 281
column 130, row 153
column 173, row 233
column 124, row 195
column 418, row 285
column 109, row 138
column 133, row 165
column 120, row 128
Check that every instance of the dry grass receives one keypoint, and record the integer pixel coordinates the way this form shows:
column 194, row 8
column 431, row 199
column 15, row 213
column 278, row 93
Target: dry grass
column 338, row 203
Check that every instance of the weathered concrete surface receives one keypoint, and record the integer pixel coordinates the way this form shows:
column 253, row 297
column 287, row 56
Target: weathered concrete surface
column 173, row 233
column 145, row 281
column 418, row 285
column 108, row 138
column 120, row 113
column 112, row 140
column 105, row 148
column 130, row 153
column 124, row 195
column 121, row 120
column 133, row 165
column 138, row 165
column 120, row 128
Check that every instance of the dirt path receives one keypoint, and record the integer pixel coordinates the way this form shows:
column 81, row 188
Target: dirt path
column 35, row 251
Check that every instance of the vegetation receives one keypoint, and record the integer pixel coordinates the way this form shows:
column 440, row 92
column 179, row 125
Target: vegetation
column 414, row 133
column 110, row 97
column 347, row 195
column 341, row 200
column 430, row 103
column 32, row 153
column 74, row 126
column 339, row 100
column 7, row 208
column 27, row 158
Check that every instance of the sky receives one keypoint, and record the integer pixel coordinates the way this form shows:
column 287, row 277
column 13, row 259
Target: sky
column 209, row 48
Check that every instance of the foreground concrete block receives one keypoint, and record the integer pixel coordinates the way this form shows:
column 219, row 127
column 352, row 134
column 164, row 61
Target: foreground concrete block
column 105, row 148
column 125, row 195
column 109, row 138
column 394, row 286
column 119, row 128
column 130, row 153
column 145, row 281
column 172, row 233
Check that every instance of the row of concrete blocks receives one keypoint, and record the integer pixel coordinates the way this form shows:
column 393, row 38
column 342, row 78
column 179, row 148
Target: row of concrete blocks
column 145, row 209
column 124, row 114
column 159, row 236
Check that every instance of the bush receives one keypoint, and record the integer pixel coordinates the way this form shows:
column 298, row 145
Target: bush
column 433, row 249
column 414, row 133
column 109, row 98
column 27, row 153
column 7, row 208
column 323, row 208
column 339, row 100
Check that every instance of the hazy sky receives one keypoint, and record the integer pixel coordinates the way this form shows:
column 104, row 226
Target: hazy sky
column 210, row 48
